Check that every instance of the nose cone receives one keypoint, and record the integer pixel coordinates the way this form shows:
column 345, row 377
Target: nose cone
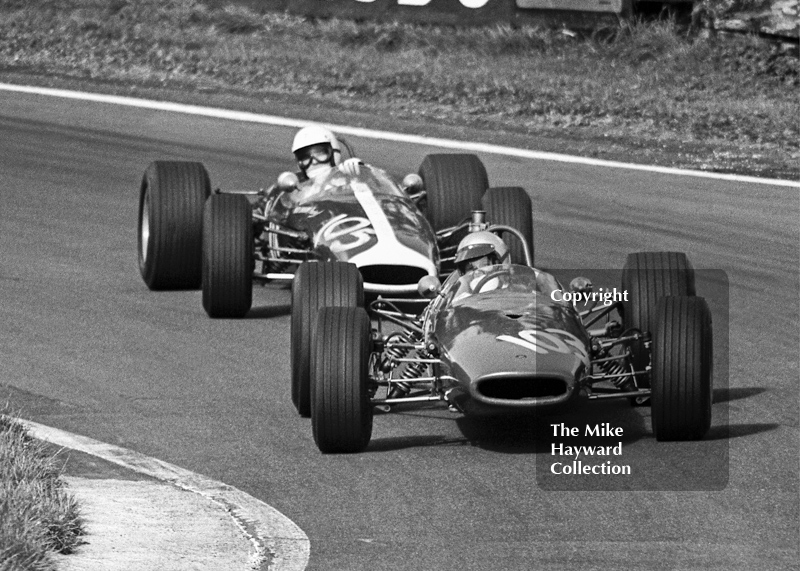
column 515, row 360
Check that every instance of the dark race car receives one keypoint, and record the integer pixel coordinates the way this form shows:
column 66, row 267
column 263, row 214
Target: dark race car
column 502, row 339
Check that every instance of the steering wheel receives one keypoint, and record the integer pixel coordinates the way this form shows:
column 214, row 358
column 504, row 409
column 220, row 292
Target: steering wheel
column 488, row 277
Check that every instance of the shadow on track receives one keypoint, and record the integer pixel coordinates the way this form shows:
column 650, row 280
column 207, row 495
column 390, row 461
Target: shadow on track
column 728, row 431
column 392, row 444
column 727, row 394
column 516, row 433
column 269, row 311
column 520, row 434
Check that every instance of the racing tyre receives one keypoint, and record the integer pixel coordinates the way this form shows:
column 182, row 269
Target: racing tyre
column 171, row 199
column 227, row 256
column 454, row 185
column 511, row 206
column 341, row 413
column 682, row 369
column 648, row 276
column 317, row 285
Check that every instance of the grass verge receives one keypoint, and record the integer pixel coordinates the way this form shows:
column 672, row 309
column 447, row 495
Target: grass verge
column 646, row 85
column 37, row 515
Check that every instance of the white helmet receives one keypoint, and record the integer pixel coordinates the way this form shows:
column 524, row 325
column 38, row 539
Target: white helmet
column 480, row 249
column 315, row 145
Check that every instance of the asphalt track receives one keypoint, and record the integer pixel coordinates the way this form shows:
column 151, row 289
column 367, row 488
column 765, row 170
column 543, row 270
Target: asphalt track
column 86, row 347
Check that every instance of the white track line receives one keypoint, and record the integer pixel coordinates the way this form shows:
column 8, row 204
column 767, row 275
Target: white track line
column 382, row 135
column 272, row 533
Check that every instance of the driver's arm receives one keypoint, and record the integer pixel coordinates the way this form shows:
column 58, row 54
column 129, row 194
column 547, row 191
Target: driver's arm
column 351, row 166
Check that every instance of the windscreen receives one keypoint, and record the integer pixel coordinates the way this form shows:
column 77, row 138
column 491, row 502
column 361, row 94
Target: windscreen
column 504, row 280
column 336, row 185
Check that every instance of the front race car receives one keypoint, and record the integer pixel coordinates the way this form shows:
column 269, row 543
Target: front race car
column 501, row 339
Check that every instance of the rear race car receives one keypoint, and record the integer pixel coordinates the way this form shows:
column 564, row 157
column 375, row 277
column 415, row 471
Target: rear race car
column 191, row 237
column 221, row 241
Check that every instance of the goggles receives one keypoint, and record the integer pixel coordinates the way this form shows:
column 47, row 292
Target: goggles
column 320, row 154
column 481, row 262
column 474, row 264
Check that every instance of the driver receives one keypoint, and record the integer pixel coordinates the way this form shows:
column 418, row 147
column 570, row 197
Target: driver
column 317, row 151
column 480, row 250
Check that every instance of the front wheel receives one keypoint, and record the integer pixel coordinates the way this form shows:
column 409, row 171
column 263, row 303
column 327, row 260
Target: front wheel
column 171, row 198
column 227, row 256
column 317, row 285
column 681, row 377
column 341, row 413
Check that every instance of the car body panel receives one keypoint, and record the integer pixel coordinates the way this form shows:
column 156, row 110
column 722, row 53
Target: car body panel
column 364, row 219
column 510, row 344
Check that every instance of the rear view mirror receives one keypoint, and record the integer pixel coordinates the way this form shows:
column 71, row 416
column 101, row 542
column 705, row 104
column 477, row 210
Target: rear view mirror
column 287, row 182
column 412, row 183
column 581, row 285
column 429, row 287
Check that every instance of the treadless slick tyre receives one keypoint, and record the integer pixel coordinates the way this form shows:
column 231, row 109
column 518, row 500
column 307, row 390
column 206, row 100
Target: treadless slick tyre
column 454, row 185
column 227, row 256
column 648, row 276
column 511, row 206
column 341, row 414
column 317, row 285
column 171, row 199
column 682, row 369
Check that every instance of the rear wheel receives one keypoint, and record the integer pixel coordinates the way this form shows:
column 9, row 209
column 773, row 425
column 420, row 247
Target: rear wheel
column 647, row 277
column 317, row 285
column 682, row 369
column 227, row 256
column 341, row 413
column 511, row 206
column 454, row 185
column 171, row 199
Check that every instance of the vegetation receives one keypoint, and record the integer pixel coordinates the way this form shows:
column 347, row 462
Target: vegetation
column 654, row 82
column 37, row 515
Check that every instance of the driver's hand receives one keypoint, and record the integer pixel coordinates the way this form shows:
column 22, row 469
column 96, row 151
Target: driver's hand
column 351, row 167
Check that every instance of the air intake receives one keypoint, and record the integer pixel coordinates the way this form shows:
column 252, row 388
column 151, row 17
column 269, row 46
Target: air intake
column 521, row 388
column 392, row 275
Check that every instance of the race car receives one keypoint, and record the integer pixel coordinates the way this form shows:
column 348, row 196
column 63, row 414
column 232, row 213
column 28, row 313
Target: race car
column 503, row 339
column 221, row 241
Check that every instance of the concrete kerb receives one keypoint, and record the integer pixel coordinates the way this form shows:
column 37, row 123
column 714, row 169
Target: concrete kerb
column 279, row 544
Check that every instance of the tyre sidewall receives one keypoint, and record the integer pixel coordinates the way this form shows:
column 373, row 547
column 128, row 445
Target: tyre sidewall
column 682, row 370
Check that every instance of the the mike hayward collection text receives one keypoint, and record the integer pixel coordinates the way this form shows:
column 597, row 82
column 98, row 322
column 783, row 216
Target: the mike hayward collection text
column 575, row 466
